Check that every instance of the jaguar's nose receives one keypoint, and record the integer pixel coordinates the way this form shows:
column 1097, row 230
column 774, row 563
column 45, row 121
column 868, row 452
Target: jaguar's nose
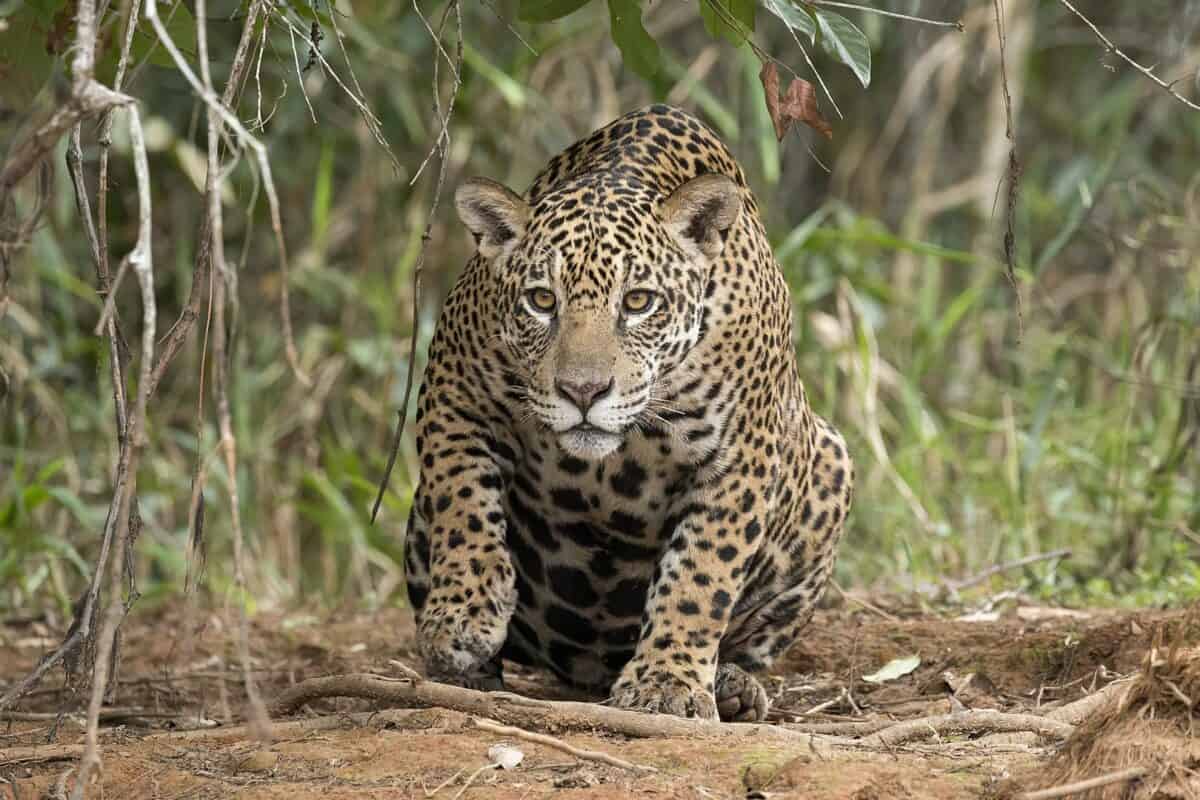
column 583, row 395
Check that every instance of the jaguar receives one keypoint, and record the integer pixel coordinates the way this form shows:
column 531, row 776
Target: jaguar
column 621, row 479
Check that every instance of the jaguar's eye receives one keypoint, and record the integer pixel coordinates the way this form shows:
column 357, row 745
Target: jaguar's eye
column 638, row 301
column 542, row 300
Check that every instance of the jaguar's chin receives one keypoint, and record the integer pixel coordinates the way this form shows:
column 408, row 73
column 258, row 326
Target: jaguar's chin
column 589, row 442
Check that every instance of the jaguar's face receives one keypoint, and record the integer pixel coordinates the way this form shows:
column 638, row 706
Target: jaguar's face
column 603, row 287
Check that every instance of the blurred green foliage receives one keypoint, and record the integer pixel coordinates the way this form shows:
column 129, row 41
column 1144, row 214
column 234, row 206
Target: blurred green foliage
column 981, row 433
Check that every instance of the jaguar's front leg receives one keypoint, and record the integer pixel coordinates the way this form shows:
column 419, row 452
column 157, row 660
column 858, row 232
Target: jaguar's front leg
column 466, row 593
column 698, row 578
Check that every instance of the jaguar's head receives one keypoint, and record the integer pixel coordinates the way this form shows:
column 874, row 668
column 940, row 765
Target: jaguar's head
column 603, row 283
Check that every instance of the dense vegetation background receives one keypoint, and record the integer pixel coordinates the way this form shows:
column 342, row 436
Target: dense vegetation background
column 983, row 433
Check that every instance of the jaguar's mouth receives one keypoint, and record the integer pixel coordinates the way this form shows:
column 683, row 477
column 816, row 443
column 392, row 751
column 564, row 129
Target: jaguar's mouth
column 588, row 441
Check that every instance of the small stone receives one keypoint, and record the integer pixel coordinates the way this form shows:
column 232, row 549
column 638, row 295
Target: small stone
column 504, row 756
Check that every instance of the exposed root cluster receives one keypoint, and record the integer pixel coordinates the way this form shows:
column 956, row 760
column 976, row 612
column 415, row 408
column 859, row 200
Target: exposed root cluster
column 1141, row 743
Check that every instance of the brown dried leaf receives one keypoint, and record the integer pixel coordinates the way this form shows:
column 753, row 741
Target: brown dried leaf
column 798, row 105
column 801, row 104
column 769, row 76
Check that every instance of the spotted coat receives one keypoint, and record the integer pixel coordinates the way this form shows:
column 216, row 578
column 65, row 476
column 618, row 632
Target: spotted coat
column 621, row 478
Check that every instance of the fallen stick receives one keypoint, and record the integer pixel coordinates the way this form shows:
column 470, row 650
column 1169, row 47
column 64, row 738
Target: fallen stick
column 278, row 729
column 559, row 744
column 967, row 722
column 561, row 715
column 472, row 777
column 525, row 712
column 1067, row 789
column 136, row 716
column 854, row 728
column 43, row 753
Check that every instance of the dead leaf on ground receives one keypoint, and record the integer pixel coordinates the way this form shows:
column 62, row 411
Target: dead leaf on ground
column 896, row 668
column 799, row 104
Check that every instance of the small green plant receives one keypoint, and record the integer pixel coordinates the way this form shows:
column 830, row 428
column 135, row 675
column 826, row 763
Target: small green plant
column 33, row 554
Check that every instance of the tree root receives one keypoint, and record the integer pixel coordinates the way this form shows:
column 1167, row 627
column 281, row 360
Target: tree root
column 563, row 716
column 528, row 713
column 968, row 722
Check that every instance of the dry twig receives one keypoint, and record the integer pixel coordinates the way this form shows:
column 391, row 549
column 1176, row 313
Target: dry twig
column 1112, row 48
column 258, row 718
column 1068, row 789
column 178, row 332
column 441, row 147
column 89, row 98
column 108, row 714
column 471, row 779
column 264, row 166
column 142, row 262
column 974, row 580
column 1014, row 173
column 507, row 708
column 559, row 744
column 569, row 715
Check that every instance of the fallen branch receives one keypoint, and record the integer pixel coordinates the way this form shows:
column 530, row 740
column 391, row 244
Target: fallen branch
column 41, row 754
column 280, row 730
column 967, row 722
column 472, row 777
column 853, row 728
column 559, row 744
column 1067, row 789
column 978, row 578
column 135, row 716
column 548, row 715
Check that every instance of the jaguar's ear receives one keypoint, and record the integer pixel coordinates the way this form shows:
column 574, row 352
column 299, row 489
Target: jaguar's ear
column 698, row 213
column 494, row 214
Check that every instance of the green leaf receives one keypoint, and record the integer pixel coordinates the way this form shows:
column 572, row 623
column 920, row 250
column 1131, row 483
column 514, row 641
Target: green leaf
column 847, row 43
column 322, row 197
column 50, row 470
column 732, row 20
column 513, row 91
column 547, row 10
column 639, row 51
column 797, row 19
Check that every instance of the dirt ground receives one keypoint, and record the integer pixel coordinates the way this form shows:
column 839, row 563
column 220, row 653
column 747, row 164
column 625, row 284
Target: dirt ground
column 178, row 670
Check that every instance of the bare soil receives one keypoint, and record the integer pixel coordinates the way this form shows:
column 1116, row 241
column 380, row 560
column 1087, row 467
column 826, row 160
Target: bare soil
column 179, row 665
